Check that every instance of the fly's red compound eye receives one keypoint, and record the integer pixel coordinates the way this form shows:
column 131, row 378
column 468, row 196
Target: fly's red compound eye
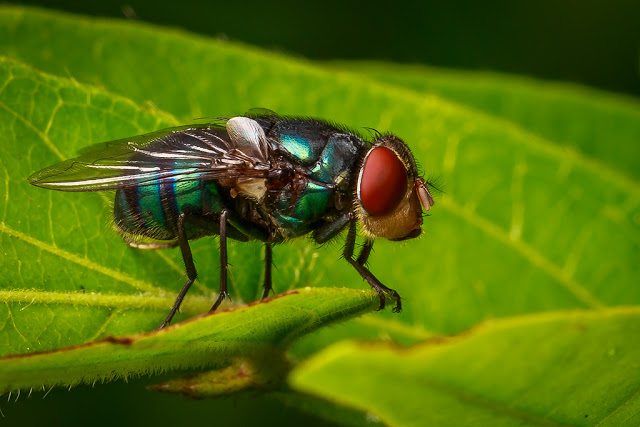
column 383, row 182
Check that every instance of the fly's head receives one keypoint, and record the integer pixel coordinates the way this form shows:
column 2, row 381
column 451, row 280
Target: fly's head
column 390, row 196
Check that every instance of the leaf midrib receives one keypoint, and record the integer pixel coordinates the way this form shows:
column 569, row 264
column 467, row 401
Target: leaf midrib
column 98, row 299
column 146, row 301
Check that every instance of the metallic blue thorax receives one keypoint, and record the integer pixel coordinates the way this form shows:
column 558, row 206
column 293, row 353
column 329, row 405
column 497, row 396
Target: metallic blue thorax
column 326, row 155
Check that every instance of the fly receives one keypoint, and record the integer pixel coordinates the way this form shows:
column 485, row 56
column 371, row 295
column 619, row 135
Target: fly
column 260, row 176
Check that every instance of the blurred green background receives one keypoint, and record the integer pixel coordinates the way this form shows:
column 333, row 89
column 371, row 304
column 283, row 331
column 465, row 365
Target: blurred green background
column 592, row 42
column 595, row 43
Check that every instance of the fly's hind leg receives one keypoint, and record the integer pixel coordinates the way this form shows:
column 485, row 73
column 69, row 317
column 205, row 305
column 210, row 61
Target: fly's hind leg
column 230, row 225
column 267, row 269
column 224, row 266
column 364, row 272
column 188, row 263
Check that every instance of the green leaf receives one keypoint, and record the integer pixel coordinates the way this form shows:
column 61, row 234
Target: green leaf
column 526, row 224
column 209, row 340
column 58, row 296
column 65, row 275
column 57, row 291
column 549, row 215
column 563, row 368
column 595, row 123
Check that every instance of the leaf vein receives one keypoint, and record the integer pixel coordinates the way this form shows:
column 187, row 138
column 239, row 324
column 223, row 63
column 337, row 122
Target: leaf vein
column 30, row 125
column 192, row 305
column 6, row 194
column 517, row 206
column 138, row 284
column 526, row 251
column 13, row 322
column 104, row 325
column 619, row 408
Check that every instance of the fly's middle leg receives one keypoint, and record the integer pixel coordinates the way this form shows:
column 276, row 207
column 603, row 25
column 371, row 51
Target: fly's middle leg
column 189, row 265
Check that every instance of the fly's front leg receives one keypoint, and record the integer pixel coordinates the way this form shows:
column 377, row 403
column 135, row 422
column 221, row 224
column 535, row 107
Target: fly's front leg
column 191, row 270
column 365, row 252
column 267, row 270
column 364, row 272
column 332, row 229
column 223, row 260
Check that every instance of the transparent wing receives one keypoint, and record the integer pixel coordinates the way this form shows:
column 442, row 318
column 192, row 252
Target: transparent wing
column 196, row 152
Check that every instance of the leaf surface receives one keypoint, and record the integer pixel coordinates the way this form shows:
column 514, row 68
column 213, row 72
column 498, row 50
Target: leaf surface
column 562, row 222
column 597, row 124
column 530, row 220
column 206, row 341
column 563, row 368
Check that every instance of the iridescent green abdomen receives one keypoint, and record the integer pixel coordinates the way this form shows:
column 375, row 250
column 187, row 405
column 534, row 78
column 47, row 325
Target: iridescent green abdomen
column 152, row 211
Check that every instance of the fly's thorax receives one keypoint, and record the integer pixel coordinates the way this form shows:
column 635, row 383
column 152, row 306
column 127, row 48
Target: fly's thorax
column 390, row 196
